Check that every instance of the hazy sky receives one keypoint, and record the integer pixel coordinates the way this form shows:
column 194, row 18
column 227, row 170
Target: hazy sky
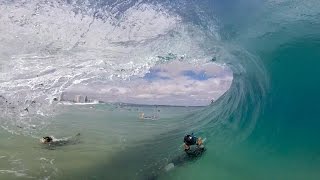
column 175, row 83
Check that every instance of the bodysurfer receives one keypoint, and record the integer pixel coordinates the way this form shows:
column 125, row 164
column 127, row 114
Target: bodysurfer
column 50, row 140
column 191, row 140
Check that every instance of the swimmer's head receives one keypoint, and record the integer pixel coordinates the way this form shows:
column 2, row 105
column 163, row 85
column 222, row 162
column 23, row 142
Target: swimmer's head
column 46, row 139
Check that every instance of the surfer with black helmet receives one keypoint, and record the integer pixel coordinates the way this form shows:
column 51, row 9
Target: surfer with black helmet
column 191, row 140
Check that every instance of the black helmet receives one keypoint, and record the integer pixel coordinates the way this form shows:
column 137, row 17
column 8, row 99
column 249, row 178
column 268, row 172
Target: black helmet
column 188, row 139
column 47, row 139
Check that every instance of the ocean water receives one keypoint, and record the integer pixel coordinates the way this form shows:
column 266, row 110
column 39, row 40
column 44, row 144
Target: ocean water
column 266, row 126
column 107, row 132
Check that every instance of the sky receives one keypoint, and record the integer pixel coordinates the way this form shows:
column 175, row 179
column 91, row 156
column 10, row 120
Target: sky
column 175, row 83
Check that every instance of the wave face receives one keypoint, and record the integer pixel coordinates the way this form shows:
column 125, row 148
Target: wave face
column 289, row 51
column 49, row 46
column 269, row 116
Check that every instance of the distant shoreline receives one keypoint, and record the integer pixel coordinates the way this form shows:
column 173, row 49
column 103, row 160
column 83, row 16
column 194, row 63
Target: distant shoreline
column 132, row 104
column 122, row 104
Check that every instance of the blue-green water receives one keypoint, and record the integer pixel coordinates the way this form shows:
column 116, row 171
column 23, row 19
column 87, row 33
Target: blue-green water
column 266, row 126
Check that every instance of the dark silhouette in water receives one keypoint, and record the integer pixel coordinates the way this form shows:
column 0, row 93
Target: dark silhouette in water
column 51, row 143
column 192, row 155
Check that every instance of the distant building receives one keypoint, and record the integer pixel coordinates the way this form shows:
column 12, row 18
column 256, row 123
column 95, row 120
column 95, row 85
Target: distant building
column 79, row 99
column 70, row 97
column 61, row 98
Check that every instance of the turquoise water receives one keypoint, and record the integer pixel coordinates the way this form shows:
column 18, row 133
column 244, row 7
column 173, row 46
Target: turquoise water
column 110, row 139
column 266, row 126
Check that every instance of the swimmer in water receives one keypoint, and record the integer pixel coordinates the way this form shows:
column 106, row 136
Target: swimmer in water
column 52, row 141
column 190, row 140
column 46, row 140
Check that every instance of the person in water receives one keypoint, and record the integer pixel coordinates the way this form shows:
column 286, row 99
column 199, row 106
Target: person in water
column 47, row 140
column 50, row 140
column 190, row 140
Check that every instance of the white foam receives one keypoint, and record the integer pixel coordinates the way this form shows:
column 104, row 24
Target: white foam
column 16, row 173
column 169, row 167
column 47, row 57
